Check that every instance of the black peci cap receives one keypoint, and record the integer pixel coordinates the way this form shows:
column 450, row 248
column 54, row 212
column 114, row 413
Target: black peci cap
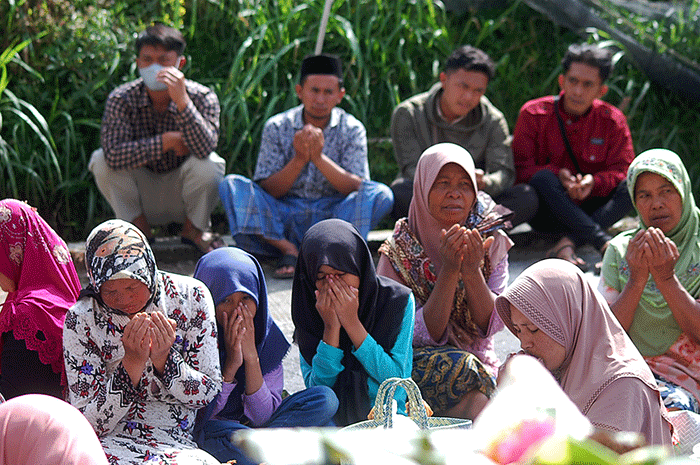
column 321, row 64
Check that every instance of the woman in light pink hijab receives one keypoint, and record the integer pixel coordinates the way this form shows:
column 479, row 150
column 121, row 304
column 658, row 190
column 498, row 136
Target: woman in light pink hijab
column 560, row 319
column 39, row 429
column 453, row 255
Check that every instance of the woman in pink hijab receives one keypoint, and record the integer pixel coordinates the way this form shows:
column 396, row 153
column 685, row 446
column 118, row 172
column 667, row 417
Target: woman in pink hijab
column 37, row 273
column 38, row 429
column 453, row 255
column 561, row 320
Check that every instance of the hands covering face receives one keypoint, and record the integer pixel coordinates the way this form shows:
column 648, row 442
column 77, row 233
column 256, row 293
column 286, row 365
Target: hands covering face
column 462, row 249
column 149, row 336
column 336, row 301
column 172, row 77
column 239, row 334
column 652, row 252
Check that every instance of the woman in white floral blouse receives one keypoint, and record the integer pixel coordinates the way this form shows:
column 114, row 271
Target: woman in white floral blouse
column 140, row 351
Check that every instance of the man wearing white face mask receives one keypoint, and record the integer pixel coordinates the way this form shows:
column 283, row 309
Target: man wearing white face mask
column 157, row 162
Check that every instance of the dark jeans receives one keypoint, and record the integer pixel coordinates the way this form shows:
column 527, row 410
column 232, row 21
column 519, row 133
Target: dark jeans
column 403, row 191
column 521, row 199
column 314, row 406
column 23, row 373
column 583, row 224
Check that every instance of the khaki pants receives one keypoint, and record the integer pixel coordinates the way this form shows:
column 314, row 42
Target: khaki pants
column 189, row 191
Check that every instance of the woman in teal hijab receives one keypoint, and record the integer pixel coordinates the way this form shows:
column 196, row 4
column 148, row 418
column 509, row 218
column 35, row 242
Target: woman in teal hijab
column 651, row 276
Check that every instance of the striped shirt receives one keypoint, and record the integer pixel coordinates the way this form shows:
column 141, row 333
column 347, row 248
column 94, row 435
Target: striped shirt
column 131, row 128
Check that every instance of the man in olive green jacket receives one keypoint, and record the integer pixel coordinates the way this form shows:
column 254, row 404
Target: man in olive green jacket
column 456, row 110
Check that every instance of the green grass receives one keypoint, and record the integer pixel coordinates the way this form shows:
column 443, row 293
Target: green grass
column 75, row 52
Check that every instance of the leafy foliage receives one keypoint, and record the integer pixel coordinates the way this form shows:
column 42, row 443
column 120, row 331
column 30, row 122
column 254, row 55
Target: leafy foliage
column 63, row 57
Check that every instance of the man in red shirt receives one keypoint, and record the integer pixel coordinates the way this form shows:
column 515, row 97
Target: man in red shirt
column 574, row 150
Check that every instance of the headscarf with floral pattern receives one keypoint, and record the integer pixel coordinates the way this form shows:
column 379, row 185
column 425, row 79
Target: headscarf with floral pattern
column 116, row 249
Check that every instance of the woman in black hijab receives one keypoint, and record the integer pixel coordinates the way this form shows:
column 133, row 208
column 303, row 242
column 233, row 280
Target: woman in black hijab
column 354, row 328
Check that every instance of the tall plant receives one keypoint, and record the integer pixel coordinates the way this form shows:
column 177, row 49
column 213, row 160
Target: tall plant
column 52, row 108
column 8, row 156
column 249, row 52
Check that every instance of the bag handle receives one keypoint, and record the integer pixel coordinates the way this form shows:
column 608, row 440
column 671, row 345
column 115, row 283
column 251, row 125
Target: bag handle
column 562, row 129
column 385, row 395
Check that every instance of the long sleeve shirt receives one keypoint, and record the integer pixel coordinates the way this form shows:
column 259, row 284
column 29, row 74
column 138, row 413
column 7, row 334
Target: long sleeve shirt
column 600, row 140
column 259, row 406
column 100, row 387
column 416, row 124
column 482, row 347
column 132, row 128
column 380, row 365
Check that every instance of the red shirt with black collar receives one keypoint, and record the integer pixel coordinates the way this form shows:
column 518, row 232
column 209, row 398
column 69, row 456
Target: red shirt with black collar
column 600, row 140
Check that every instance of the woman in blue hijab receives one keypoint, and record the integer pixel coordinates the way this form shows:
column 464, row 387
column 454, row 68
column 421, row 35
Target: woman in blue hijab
column 251, row 349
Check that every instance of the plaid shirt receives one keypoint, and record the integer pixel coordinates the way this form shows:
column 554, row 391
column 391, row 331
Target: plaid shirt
column 131, row 128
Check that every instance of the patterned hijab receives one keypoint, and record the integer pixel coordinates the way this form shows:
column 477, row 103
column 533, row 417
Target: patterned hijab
column 227, row 270
column 414, row 248
column 382, row 303
column 116, row 249
column 557, row 298
column 654, row 329
column 37, row 260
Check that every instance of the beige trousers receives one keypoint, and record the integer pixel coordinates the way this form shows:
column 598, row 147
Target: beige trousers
column 189, row 191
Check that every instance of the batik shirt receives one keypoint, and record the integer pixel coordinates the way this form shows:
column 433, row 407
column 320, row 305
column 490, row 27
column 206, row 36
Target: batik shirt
column 153, row 421
column 345, row 142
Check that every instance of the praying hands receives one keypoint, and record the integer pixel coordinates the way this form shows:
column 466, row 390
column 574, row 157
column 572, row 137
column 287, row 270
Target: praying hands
column 147, row 336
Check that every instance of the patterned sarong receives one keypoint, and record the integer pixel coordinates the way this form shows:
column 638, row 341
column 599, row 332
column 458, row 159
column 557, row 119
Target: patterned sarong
column 252, row 212
column 446, row 374
column 679, row 367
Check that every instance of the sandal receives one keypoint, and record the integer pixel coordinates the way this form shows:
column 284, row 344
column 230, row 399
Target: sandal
column 554, row 253
column 287, row 261
column 212, row 241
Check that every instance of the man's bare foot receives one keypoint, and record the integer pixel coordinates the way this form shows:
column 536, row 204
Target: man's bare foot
column 287, row 263
column 142, row 223
column 204, row 241
column 286, row 266
column 566, row 250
